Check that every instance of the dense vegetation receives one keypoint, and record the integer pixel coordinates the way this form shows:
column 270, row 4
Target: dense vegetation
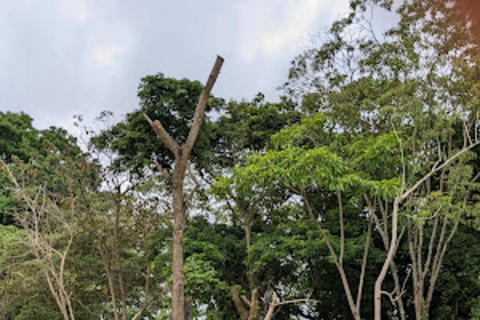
column 354, row 197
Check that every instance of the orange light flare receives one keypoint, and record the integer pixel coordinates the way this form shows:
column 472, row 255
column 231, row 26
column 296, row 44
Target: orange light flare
column 469, row 12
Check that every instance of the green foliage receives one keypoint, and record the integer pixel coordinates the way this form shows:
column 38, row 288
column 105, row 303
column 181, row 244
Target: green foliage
column 366, row 115
column 245, row 127
column 21, row 142
column 172, row 102
column 215, row 258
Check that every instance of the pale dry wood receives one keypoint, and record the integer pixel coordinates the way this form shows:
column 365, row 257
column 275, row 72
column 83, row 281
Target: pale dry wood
column 238, row 303
column 163, row 135
column 182, row 155
column 342, row 229
column 201, row 105
column 274, row 304
column 43, row 250
column 394, row 235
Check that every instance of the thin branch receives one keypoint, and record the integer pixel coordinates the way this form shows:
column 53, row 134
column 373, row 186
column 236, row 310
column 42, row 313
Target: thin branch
column 195, row 189
column 339, row 266
column 342, row 229
column 271, row 307
column 296, row 301
column 364, row 263
column 246, row 301
column 238, row 303
column 160, row 169
column 430, row 246
column 435, row 170
column 275, row 304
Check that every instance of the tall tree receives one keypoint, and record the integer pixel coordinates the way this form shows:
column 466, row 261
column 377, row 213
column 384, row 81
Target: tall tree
column 19, row 139
column 407, row 82
column 182, row 155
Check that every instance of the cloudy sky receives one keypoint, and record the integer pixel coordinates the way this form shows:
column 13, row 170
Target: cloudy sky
column 59, row 58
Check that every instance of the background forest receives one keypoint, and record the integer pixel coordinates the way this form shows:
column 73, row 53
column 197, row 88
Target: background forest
column 354, row 197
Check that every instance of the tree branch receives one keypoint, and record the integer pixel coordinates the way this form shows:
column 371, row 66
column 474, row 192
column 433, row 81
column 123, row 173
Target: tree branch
column 435, row 170
column 342, row 229
column 163, row 135
column 202, row 103
column 275, row 304
column 238, row 303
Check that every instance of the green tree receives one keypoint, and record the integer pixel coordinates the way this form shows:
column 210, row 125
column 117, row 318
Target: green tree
column 20, row 140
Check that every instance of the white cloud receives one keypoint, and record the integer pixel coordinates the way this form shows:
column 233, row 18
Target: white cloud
column 106, row 54
column 272, row 26
column 75, row 11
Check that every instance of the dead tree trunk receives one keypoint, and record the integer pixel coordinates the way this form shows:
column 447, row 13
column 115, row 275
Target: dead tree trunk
column 182, row 155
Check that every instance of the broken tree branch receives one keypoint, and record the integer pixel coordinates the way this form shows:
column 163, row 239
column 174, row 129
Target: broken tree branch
column 202, row 103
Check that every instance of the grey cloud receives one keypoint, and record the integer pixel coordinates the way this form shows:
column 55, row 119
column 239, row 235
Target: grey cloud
column 51, row 67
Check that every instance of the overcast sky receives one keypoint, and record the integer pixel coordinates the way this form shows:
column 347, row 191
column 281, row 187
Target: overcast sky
column 59, row 58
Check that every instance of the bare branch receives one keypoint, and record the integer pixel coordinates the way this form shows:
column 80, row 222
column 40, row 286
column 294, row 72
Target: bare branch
column 160, row 169
column 364, row 262
column 238, row 303
column 271, row 307
column 435, row 170
column 339, row 266
column 202, row 103
column 275, row 304
column 163, row 135
column 296, row 301
column 342, row 229
column 246, row 301
column 253, row 305
column 195, row 189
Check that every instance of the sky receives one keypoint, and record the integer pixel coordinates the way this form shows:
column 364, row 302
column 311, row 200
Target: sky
column 60, row 58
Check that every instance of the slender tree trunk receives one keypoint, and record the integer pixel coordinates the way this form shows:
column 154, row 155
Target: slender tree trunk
column 118, row 259
column 343, row 276
column 110, row 281
column 393, row 243
column 384, row 233
column 388, row 261
column 182, row 154
column 178, row 296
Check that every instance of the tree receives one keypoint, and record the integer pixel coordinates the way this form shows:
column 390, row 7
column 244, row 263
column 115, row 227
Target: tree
column 182, row 155
column 401, row 82
column 19, row 139
column 172, row 101
column 49, row 221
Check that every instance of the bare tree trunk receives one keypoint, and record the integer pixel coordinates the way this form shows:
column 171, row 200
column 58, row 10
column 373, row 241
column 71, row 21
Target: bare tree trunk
column 385, row 234
column 178, row 295
column 51, row 260
column 393, row 242
column 182, row 155
column 420, row 271
column 388, row 261
column 118, row 259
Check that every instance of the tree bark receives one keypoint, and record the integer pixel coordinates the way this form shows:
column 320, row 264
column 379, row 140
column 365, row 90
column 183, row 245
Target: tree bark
column 343, row 276
column 178, row 294
column 388, row 261
column 394, row 235
column 182, row 155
